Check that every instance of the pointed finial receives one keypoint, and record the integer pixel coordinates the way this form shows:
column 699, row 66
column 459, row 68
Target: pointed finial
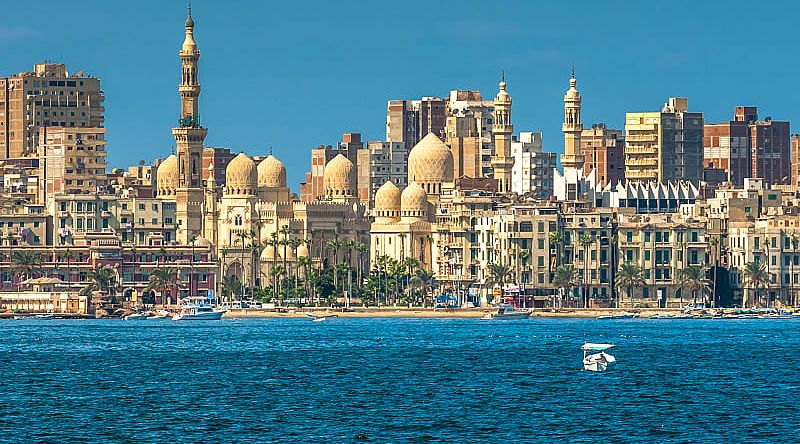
column 270, row 150
column 190, row 8
column 189, row 21
column 503, row 75
column 573, row 71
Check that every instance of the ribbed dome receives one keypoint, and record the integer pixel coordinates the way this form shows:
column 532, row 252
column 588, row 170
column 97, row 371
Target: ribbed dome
column 167, row 176
column 268, row 254
column 414, row 201
column 387, row 198
column 302, row 250
column 241, row 177
column 271, row 173
column 338, row 179
column 430, row 163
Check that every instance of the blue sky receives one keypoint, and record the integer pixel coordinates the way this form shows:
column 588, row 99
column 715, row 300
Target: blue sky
column 293, row 75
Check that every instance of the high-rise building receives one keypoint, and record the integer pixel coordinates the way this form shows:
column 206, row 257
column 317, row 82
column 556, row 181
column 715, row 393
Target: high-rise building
column 603, row 151
column 189, row 137
column 726, row 148
column 469, row 133
column 664, row 146
column 533, row 168
column 47, row 96
column 379, row 163
column 796, row 159
column 408, row 121
column 746, row 147
column 71, row 161
column 219, row 157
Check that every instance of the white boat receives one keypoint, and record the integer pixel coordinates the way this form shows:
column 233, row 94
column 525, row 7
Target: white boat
column 136, row 317
column 319, row 318
column 506, row 311
column 595, row 358
column 194, row 309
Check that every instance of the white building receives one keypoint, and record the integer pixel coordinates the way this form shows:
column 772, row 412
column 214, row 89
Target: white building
column 533, row 168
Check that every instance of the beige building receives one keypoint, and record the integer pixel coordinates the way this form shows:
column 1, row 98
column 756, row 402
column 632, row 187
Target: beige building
column 664, row 146
column 71, row 161
column 45, row 97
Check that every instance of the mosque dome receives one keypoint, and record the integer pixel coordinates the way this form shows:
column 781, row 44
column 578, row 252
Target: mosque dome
column 167, row 176
column 387, row 200
column 414, row 201
column 268, row 254
column 502, row 95
column 338, row 177
column 430, row 163
column 271, row 173
column 241, row 177
column 302, row 250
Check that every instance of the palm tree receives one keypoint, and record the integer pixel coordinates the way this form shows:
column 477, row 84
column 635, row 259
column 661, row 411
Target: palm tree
column 693, row 277
column 305, row 262
column 585, row 240
column 161, row 280
column 424, row 282
column 102, row 279
column 362, row 249
column 556, row 239
column 756, row 276
column 274, row 242
column 68, row 255
column 522, row 262
column 499, row 275
column 334, row 244
column 230, row 285
column 25, row 264
column 285, row 231
column 396, row 270
column 629, row 278
column 565, row 278
column 713, row 243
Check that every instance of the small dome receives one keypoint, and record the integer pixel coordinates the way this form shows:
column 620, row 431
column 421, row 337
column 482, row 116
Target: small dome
column 302, row 250
column 271, row 173
column 268, row 254
column 502, row 95
column 167, row 176
column 414, row 201
column 430, row 163
column 241, row 177
column 387, row 198
column 572, row 93
column 338, row 179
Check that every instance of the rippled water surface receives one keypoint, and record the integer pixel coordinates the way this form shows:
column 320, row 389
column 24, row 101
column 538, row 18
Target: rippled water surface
column 398, row 380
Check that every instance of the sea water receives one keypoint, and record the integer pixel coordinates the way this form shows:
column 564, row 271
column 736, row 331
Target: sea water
column 398, row 380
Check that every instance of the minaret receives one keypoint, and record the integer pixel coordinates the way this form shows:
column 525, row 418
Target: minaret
column 502, row 162
column 189, row 137
column 572, row 159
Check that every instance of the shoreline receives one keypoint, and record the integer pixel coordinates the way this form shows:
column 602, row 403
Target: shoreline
column 397, row 312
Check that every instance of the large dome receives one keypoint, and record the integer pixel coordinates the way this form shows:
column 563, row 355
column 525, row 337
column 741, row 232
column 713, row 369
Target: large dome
column 241, row 177
column 271, row 173
column 167, row 176
column 338, row 179
column 430, row 163
column 268, row 254
column 302, row 250
column 414, row 201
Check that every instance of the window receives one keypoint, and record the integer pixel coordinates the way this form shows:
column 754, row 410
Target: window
column 154, row 221
column 105, row 222
column 155, row 207
column 141, row 207
column 647, row 255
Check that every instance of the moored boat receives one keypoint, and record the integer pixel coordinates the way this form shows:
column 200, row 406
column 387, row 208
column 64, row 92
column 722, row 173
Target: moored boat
column 507, row 312
column 198, row 311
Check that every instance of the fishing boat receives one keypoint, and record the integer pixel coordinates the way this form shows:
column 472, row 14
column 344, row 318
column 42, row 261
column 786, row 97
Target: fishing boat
column 507, row 312
column 319, row 318
column 595, row 358
column 195, row 309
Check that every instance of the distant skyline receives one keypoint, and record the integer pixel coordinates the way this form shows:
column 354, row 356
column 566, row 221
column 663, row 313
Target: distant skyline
column 295, row 75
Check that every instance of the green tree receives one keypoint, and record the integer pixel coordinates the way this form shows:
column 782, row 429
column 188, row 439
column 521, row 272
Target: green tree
column 693, row 277
column 162, row 280
column 68, row 256
column 335, row 244
column 630, row 277
column 585, row 241
column 26, row 264
column 565, row 278
column 424, row 282
column 755, row 277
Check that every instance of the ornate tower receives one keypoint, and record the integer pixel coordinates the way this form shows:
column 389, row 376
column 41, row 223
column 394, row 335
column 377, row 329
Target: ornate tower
column 572, row 159
column 189, row 137
column 502, row 162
